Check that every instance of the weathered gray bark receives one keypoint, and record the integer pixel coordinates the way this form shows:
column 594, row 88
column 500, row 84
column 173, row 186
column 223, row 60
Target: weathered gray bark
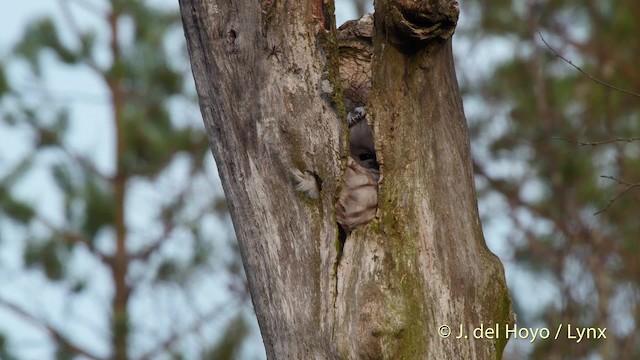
column 266, row 75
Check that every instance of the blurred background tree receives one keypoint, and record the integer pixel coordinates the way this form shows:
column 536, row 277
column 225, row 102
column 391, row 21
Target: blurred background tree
column 572, row 253
column 114, row 235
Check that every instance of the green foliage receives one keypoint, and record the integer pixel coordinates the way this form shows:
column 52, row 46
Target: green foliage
column 63, row 352
column 50, row 255
column 228, row 346
column 99, row 207
column 11, row 206
column 168, row 271
column 43, row 34
column 16, row 209
column 5, row 354
column 4, row 85
column 220, row 206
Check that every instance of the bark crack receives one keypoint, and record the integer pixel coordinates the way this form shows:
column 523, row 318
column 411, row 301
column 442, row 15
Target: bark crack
column 342, row 238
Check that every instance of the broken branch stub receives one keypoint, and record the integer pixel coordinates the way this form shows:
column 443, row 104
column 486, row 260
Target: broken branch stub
column 411, row 25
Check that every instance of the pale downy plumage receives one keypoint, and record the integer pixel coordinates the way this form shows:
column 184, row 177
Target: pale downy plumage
column 358, row 198
column 306, row 183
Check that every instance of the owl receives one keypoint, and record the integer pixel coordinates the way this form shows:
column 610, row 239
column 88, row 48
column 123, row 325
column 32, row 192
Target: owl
column 358, row 199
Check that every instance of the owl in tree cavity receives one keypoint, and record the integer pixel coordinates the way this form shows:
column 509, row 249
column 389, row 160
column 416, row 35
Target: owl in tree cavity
column 358, row 198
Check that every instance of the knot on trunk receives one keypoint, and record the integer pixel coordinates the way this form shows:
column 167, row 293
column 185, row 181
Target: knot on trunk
column 413, row 23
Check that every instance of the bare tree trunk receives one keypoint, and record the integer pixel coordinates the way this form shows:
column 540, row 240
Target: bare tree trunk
column 267, row 77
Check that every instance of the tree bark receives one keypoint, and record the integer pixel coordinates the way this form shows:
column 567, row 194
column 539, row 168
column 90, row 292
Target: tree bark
column 272, row 102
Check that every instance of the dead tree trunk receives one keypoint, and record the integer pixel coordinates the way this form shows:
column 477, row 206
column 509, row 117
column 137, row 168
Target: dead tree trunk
column 272, row 101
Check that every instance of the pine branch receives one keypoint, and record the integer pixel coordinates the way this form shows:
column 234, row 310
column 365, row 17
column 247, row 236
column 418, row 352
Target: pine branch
column 55, row 334
column 629, row 186
column 584, row 72
column 595, row 143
